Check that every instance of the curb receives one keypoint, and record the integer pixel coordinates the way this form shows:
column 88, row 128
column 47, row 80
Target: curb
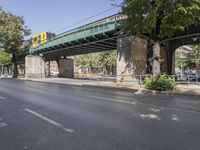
column 111, row 87
column 146, row 91
column 130, row 89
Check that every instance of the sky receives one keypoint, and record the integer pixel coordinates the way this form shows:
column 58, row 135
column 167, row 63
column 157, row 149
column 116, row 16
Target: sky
column 55, row 15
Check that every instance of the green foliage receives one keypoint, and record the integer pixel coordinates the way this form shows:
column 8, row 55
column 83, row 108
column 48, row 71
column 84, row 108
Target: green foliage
column 86, row 60
column 5, row 58
column 195, row 54
column 190, row 60
column 159, row 19
column 162, row 82
column 101, row 59
column 12, row 33
column 107, row 58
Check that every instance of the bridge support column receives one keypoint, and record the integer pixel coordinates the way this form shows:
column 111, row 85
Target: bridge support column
column 132, row 60
column 66, row 67
column 48, row 68
column 34, row 67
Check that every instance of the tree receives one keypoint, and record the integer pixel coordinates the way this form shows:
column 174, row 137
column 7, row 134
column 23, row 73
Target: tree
column 86, row 60
column 196, row 54
column 107, row 60
column 5, row 59
column 102, row 59
column 190, row 60
column 157, row 20
column 12, row 33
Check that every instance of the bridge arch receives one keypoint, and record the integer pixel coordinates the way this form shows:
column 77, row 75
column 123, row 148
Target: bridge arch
column 169, row 47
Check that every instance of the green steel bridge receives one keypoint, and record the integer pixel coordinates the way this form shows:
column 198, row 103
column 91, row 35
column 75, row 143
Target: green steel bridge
column 102, row 35
column 97, row 36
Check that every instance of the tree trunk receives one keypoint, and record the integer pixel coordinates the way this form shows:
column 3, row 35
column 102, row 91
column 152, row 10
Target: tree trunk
column 7, row 67
column 15, row 69
column 2, row 70
column 156, row 60
column 108, row 70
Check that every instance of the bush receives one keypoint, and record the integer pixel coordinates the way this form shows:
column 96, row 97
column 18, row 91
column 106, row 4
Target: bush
column 162, row 82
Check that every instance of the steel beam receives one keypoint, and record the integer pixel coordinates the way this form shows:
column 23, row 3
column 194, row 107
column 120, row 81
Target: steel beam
column 109, row 43
column 103, row 45
column 83, row 44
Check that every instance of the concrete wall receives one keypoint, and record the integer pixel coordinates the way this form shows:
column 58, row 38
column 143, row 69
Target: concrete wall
column 132, row 59
column 34, row 67
column 66, row 68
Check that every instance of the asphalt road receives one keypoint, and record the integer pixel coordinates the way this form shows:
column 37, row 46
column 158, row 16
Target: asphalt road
column 42, row 116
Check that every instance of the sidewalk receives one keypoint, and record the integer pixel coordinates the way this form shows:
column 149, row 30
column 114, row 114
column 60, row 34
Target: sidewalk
column 180, row 89
column 75, row 81
column 188, row 89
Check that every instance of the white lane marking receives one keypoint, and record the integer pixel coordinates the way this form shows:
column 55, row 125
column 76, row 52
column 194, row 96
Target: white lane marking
column 133, row 103
column 68, row 130
column 112, row 100
column 2, row 97
column 49, row 120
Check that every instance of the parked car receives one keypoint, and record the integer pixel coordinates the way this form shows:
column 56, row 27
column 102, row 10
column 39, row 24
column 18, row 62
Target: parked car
column 197, row 77
column 193, row 77
column 181, row 76
column 190, row 76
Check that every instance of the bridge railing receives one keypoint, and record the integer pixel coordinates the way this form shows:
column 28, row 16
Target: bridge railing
column 112, row 18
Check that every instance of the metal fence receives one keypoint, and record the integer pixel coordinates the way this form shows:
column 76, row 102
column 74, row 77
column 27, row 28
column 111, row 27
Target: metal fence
column 187, row 79
column 95, row 77
column 139, row 79
column 179, row 79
